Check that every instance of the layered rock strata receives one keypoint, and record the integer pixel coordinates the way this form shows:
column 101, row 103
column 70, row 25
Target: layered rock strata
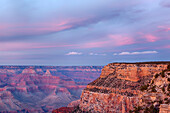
column 118, row 89
column 40, row 89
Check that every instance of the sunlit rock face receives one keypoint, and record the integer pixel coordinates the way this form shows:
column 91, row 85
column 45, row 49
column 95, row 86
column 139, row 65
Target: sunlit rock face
column 131, row 72
column 117, row 90
column 38, row 89
column 164, row 108
column 74, row 103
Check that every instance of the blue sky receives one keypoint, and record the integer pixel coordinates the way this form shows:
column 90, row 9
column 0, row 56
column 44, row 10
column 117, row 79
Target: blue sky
column 76, row 32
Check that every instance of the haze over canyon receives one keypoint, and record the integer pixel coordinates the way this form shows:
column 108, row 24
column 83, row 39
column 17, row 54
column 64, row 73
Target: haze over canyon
column 38, row 89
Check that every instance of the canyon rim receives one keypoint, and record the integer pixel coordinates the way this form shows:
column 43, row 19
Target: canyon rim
column 142, row 87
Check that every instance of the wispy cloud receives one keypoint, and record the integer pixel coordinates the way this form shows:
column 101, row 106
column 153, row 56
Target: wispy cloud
column 31, row 29
column 74, row 53
column 151, row 38
column 110, row 41
column 136, row 53
column 100, row 54
column 164, row 28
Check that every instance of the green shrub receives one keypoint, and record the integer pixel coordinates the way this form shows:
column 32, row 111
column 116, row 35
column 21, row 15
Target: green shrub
column 166, row 99
column 167, row 102
column 168, row 88
column 144, row 87
column 168, row 79
column 137, row 109
column 152, row 82
column 146, row 110
column 160, row 102
column 162, row 73
column 163, row 89
column 156, row 76
column 151, row 109
column 130, row 111
column 168, row 67
column 153, row 89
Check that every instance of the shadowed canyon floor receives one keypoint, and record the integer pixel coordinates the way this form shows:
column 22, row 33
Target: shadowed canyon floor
column 42, row 88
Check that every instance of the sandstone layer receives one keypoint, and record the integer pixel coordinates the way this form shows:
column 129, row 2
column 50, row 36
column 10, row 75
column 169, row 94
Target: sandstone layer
column 118, row 89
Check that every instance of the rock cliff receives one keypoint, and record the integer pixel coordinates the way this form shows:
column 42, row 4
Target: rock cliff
column 128, row 87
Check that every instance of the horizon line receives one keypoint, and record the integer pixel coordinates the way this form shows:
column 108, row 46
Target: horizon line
column 130, row 62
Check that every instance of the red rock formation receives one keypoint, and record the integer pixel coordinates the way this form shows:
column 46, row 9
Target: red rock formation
column 164, row 108
column 132, row 72
column 42, row 88
column 74, row 103
column 29, row 71
column 117, row 90
column 63, row 110
column 47, row 73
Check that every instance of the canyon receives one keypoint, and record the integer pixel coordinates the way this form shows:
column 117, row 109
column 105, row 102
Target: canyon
column 40, row 89
column 142, row 87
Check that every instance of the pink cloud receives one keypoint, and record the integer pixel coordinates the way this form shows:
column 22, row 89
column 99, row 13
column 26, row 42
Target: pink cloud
column 168, row 46
column 2, row 27
column 120, row 40
column 32, row 28
column 109, row 41
column 151, row 38
column 164, row 28
column 15, row 29
column 94, row 44
column 9, row 46
column 51, row 46
column 163, row 47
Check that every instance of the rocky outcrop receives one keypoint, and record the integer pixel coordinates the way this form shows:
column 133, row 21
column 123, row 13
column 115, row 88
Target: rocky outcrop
column 63, row 110
column 29, row 71
column 164, row 108
column 74, row 103
column 133, row 71
column 71, row 108
column 119, row 88
column 47, row 73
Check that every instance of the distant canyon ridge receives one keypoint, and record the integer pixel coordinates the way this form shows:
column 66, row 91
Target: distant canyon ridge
column 42, row 88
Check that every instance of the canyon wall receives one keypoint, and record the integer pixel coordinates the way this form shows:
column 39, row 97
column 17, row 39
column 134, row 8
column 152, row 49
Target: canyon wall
column 40, row 89
column 118, row 89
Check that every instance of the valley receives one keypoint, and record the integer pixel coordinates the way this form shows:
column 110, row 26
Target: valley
column 42, row 88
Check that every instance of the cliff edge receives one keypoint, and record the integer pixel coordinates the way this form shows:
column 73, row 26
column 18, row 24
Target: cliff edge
column 128, row 87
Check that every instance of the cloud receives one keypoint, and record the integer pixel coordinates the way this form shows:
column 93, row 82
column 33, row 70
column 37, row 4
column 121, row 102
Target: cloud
column 9, row 46
column 115, row 54
column 165, row 3
column 151, row 38
column 74, row 53
column 165, row 46
column 110, row 41
column 121, row 40
column 136, row 53
column 31, row 29
column 100, row 54
column 164, row 28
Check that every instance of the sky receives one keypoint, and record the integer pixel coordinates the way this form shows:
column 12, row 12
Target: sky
column 83, row 32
